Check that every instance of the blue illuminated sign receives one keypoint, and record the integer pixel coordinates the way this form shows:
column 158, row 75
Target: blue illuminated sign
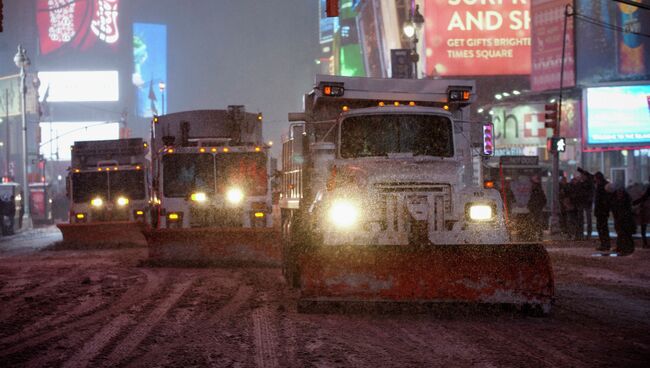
column 618, row 116
column 150, row 67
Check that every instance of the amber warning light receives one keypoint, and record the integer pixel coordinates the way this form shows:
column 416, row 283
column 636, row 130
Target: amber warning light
column 459, row 95
column 332, row 90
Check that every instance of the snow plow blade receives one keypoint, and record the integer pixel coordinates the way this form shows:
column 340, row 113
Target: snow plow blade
column 214, row 246
column 518, row 274
column 97, row 234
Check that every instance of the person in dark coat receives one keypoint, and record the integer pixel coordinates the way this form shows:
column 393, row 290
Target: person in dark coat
column 643, row 217
column 602, row 203
column 623, row 221
column 574, row 219
column 536, row 204
column 565, row 204
column 585, row 203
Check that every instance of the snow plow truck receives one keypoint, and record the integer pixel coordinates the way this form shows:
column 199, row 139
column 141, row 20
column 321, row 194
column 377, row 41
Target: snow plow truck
column 212, row 189
column 381, row 202
column 108, row 189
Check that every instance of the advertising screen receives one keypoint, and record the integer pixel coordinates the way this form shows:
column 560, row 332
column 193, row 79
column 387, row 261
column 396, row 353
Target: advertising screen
column 86, row 86
column 470, row 37
column 65, row 25
column 57, row 137
column 327, row 25
column 618, row 116
column 150, row 67
column 605, row 54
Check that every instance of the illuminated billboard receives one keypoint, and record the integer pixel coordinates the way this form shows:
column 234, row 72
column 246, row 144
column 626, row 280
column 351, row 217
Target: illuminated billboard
column 604, row 54
column 150, row 67
column 547, row 26
column 80, row 86
column 57, row 137
column 617, row 116
column 80, row 24
column 327, row 25
column 477, row 37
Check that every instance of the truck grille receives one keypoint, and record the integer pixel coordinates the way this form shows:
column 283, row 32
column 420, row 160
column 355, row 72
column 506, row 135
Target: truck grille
column 211, row 216
column 404, row 206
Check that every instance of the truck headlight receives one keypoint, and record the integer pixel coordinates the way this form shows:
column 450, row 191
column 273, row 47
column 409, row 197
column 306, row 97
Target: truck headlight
column 96, row 202
column 199, row 197
column 234, row 195
column 122, row 201
column 479, row 211
column 344, row 214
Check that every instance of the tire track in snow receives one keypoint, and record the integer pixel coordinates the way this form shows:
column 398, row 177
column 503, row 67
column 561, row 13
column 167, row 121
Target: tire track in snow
column 142, row 330
column 98, row 342
column 265, row 339
column 203, row 325
column 132, row 296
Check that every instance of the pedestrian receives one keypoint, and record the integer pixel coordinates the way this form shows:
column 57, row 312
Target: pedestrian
column 536, row 204
column 643, row 213
column 623, row 220
column 574, row 219
column 565, row 205
column 602, row 203
column 585, row 202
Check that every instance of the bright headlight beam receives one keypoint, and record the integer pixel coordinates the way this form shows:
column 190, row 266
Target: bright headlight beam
column 344, row 214
column 234, row 195
column 480, row 212
column 199, row 197
column 122, row 201
column 96, row 202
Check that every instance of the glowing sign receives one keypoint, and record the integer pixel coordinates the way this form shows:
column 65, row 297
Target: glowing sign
column 80, row 86
column 150, row 68
column 58, row 137
column 618, row 116
column 76, row 24
column 477, row 37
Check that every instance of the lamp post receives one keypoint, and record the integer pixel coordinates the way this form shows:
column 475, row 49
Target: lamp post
column 161, row 86
column 410, row 30
column 22, row 61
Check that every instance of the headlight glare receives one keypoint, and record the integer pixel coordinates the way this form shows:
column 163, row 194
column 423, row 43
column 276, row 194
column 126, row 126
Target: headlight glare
column 480, row 212
column 199, row 197
column 97, row 202
column 122, row 201
column 344, row 214
column 234, row 195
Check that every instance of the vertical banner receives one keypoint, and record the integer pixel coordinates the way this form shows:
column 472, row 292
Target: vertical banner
column 150, row 67
column 547, row 42
column 472, row 37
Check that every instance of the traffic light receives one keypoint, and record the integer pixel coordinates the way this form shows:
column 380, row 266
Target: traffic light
column 488, row 142
column 556, row 144
column 550, row 115
column 332, row 8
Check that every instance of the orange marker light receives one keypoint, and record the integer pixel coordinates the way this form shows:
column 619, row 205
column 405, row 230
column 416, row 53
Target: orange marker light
column 411, row 103
column 465, row 95
column 259, row 214
column 257, row 149
column 171, row 150
column 488, row 184
column 138, row 167
column 345, row 108
column 396, row 103
column 99, row 169
column 80, row 216
column 327, row 90
column 213, row 149
column 77, row 170
column 381, row 103
column 226, row 149
column 446, row 107
column 201, row 149
column 173, row 216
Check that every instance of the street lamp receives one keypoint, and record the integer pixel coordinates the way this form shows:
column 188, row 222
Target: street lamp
column 410, row 30
column 161, row 86
column 22, row 61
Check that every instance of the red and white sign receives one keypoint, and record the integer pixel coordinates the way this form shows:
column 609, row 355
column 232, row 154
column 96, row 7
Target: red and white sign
column 477, row 37
column 547, row 27
column 76, row 24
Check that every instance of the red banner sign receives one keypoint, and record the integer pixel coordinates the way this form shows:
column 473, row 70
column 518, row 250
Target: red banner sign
column 548, row 26
column 477, row 37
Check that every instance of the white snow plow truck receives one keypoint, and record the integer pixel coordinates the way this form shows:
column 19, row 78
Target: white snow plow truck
column 108, row 189
column 380, row 200
column 211, row 186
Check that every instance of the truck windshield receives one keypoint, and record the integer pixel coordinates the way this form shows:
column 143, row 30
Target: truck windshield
column 88, row 185
column 128, row 183
column 379, row 135
column 246, row 171
column 186, row 173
